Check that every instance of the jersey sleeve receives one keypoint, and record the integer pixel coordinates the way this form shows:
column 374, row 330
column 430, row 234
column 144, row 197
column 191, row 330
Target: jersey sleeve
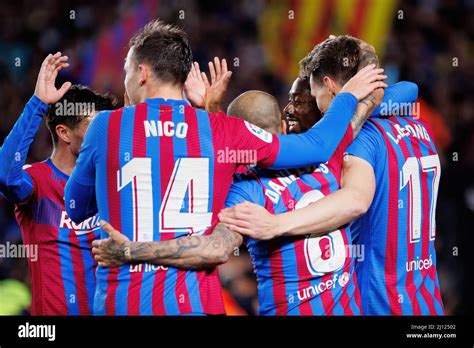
column 260, row 146
column 295, row 150
column 241, row 191
column 79, row 193
column 16, row 185
column 396, row 99
column 366, row 145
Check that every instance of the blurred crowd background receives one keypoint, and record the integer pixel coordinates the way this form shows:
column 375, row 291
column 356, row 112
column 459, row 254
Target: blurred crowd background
column 429, row 42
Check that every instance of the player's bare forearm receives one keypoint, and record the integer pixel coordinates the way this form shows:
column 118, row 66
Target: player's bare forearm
column 364, row 110
column 192, row 252
column 338, row 208
column 322, row 217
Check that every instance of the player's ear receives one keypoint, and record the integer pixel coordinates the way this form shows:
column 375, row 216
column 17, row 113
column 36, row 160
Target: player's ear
column 143, row 74
column 330, row 85
column 64, row 133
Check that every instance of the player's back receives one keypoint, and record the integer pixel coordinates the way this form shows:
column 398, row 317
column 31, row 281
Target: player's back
column 306, row 275
column 163, row 171
column 398, row 275
column 63, row 269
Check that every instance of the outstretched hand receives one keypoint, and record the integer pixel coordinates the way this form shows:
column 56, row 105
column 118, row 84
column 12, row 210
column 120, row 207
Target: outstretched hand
column 45, row 85
column 113, row 251
column 367, row 80
column 204, row 94
column 195, row 86
column 250, row 220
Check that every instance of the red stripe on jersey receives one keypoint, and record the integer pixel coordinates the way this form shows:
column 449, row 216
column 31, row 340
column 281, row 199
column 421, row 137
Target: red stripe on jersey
column 193, row 151
column 276, row 269
column 113, row 164
column 345, row 299
column 391, row 246
column 79, row 274
column 167, row 162
column 409, row 284
column 357, row 292
column 138, row 151
column 298, row 245
column 166, row 169
column 432, row 151
column 425, row 229
column 326, row 296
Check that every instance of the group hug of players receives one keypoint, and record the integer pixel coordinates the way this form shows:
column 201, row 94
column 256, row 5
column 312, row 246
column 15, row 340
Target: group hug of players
column 137, row 206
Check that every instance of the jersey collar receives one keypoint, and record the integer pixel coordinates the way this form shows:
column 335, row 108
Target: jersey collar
column 61, row 174
column 161, row 101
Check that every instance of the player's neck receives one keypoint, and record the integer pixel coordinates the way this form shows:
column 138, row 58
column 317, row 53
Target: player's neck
column 164, row 91
column 63, row 159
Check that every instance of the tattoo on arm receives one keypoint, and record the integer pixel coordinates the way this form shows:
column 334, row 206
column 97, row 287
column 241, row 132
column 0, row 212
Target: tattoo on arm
column 191, row 252
column 362, row 113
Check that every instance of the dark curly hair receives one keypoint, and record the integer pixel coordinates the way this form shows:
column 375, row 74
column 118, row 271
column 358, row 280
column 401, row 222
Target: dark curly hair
column 70, row 110
column 337, row 57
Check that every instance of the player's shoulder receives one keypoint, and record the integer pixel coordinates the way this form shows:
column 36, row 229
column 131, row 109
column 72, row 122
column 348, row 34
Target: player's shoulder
column 37, row 168
column 247, row 184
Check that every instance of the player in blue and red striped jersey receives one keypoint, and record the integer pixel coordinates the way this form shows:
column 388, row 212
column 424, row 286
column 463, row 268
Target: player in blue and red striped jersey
column 291, row 280
column 62, row 278
column 153, row 170
column 391, row 175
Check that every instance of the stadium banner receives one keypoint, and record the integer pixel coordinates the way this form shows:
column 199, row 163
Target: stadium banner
column 303, row 23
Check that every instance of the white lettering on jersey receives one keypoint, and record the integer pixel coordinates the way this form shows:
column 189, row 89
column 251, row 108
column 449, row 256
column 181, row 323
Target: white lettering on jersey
column 167, row 129
column 87, row 226
column 418, row 131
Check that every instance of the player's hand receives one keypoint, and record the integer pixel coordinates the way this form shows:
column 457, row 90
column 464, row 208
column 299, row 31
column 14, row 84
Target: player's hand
column 45, row 85
column 365, row 82
column 195, row 87
column 216, row 91
column 251, row 220
column 113, row 251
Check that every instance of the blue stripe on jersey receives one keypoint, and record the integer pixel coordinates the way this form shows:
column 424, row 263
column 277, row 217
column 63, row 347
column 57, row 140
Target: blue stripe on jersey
column 369, row 266
column 289, row 255
column 88, row 261
column 193, row 290
column 265, row 286
column 402, row 237
column 148, row 280
column 170, row 300
column 103, row 205
column 207, row 147
column 350, row 292
column 181, row 151
column 316, row 301
column 126, row 206
column 67, row 270
column 424, row 150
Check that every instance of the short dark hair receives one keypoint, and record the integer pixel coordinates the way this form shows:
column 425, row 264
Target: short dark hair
column 77, row 96
column 166, row 49
column 337, row 57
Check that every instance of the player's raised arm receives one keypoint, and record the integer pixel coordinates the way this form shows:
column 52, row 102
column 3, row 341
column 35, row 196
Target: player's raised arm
column 15, row 184
column 79, row 193
column 191, row 252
